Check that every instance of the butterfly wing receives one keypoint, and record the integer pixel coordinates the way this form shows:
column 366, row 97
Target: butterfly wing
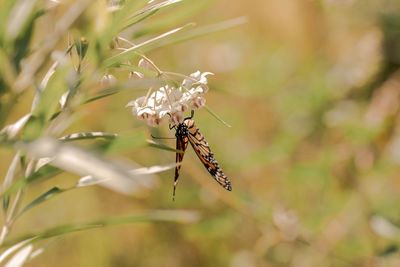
column 204, row 153
column 181, row 145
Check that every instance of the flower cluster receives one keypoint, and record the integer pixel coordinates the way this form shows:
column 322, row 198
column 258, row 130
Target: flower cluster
column 172, row 101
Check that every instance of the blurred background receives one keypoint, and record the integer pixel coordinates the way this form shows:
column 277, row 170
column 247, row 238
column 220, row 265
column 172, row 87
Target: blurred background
column 311, row 90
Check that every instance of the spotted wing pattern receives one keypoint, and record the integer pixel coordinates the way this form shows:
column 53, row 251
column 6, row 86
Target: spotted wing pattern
column 204, row 153
column 181, row 145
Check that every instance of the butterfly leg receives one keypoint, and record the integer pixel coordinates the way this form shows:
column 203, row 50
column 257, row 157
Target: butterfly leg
column 159, row 137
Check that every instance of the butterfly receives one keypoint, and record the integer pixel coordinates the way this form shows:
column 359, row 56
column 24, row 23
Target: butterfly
column 187, row 132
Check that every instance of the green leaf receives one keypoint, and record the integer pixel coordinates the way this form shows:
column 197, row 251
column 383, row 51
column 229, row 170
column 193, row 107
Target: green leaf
column 20, row 258
column 33, row 128
column 6, row 107
column 132, row 52
column 5, row 11
column 118, row 22
column 49, row 96
column 146, row 72
column 178, row 216
column 155, row 169
column 143, row 83
column 6, row 203
column 9, row 177
column 148, row 11
column 81, row 47
column 194, row 33
column 182, row 13
column 87, row 136
column 22, row 42
column 7, row 72
column 19, row 29
column 45, row 196
column 46, row 103
column 102, row 94
column 126, row 141
column 44, row 172
column 13, row 249
column 216, row 116
column 162, row 146
column 83, row 162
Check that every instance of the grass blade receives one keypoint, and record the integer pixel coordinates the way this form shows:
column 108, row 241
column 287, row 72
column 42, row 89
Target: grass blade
column 217, row 117
column 10, row 175
column 13, row 248
column 78, row 161
column 87, row 135
column 177, row 216
column 148, row 11
column 197, row 32
column 154, row 169
column 131, row 52
column 162, row 146
column 143, row 83
column 45, row 196
column 44, row 172
column 125, row 142
column 19, row 259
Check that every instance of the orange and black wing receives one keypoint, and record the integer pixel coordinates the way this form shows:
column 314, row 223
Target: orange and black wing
column 181, row 145
column 204, row 153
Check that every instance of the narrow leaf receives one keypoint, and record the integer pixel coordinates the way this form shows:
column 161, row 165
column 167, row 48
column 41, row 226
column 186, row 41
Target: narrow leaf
column 148, row 11
column 87, row 135
column 45, row 196
column 129, row 53
column 19, row 18
column 19, row 259
column 9, row 178
column 216, row 116
column 197, row 32
column 118, row 21
column 143, row 83
column 90, row 180
column 126, row 142
column 162, row 146
column 13, row 248
column 154, row 169
column 184, row 12
column 78, row 161
column 13, row 129
column 44, row 172
column 178, row 216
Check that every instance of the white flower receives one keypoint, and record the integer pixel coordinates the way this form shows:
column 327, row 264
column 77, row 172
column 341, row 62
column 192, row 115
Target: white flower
column 196, row 78
column 172, row 101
